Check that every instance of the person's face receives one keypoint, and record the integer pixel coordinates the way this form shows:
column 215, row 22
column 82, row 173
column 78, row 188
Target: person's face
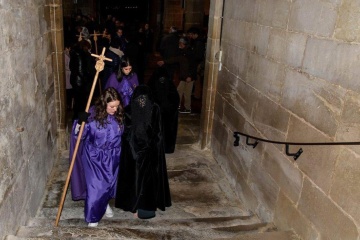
column 146, row 26
column 119, row 33
column 126, row 70
column 112, row 107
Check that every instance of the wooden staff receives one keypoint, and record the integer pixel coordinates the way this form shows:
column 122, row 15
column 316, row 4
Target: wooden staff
column 99, row 67
column 96, row 52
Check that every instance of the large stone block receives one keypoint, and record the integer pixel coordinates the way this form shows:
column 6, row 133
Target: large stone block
column 271, row 119
column 314, row 100
column 274, row 13
column 286, row 47
column 330, row 221
column 245, row 11
column 266, row 191
column 317, row 162
column 245, row 194
column 284, row 172
column 345, row 190
column 349, row 126
column 259, row 40
column 348, row 21
column 246, row 99
column 232, row 118
column 266, row 76
column 227, row 86
column 313, row 17
column 333, row 61
column 220, row 135
column 287, row 216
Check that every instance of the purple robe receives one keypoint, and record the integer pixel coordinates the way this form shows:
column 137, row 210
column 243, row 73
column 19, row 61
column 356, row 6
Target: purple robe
column 125, row 87
column 96, row 167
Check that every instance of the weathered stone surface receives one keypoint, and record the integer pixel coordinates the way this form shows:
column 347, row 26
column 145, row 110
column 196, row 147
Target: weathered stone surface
column 227, row 88
column 317, row 162
column 348, row 21
column 284, row 172
column 313, row 17
column 259, row 40
column 287, row 216
column 345, row 190
column 287, row 47
column 246, row 11
column 246, row 99
column 302, row 95
column 270, row 119
column 336, row 62
column 232, row 118
column 266, row 191
column 27, row 161
column 295, row 74
column 324, row 214
column 262, row 70
column 274, row 13
column 349, row 127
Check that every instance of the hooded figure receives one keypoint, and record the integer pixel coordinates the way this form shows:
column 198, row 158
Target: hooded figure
column 143, row 185
column 167, row 97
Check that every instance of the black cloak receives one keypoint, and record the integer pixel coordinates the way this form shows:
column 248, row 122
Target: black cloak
column 166, row 96
column 143, row 182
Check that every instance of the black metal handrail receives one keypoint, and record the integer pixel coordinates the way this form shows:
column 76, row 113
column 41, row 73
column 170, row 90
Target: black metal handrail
column 287, row 144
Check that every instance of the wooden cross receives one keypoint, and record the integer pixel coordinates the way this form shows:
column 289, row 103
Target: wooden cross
column 99, row 66
column 95, row 35
column 100, row 62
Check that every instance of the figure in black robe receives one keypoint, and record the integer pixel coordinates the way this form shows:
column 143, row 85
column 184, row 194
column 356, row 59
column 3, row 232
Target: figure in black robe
column 167, row 97
column 143, row 185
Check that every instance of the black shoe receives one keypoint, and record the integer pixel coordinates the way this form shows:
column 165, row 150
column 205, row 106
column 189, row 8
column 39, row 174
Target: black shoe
column 185, row 111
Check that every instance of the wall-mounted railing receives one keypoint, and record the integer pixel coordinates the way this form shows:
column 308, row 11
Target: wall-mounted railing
column 295, row 155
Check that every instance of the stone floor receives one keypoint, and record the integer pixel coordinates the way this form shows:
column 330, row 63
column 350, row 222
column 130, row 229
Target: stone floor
column 204, row 205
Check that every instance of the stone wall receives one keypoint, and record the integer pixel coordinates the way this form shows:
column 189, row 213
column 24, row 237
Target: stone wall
column 290, row 73
column 28, row 116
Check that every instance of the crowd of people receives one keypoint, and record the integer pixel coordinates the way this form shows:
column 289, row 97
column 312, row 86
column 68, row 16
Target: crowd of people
column 132, row 122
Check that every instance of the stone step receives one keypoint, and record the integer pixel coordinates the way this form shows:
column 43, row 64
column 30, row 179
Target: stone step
column 149, row 234
column 174, row 212
column 283, row 235
column 238, row 223
column 197, row 228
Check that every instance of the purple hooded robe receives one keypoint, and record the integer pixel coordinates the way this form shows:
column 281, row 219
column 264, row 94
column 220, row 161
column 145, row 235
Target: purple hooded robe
column 96, row 166
column 125, row 87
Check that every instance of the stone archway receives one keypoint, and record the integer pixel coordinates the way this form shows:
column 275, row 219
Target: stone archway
column 211, row 72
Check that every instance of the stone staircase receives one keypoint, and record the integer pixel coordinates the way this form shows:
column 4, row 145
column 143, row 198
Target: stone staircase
column 204, row 205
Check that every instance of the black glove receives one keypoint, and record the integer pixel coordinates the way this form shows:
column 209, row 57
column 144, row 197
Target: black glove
column 83, row 117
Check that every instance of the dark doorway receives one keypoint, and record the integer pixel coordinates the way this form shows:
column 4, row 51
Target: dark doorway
column 126, row 10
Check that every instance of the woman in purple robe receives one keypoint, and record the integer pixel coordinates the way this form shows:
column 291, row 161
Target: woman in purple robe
column 124, row 82
column 96, row 167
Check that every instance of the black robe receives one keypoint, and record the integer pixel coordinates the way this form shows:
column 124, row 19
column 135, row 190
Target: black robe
column 143, row 181
column 166, row 96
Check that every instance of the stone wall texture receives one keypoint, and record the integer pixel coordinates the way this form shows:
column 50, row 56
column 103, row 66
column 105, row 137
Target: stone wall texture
column 28, row 120
column 290, row 72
